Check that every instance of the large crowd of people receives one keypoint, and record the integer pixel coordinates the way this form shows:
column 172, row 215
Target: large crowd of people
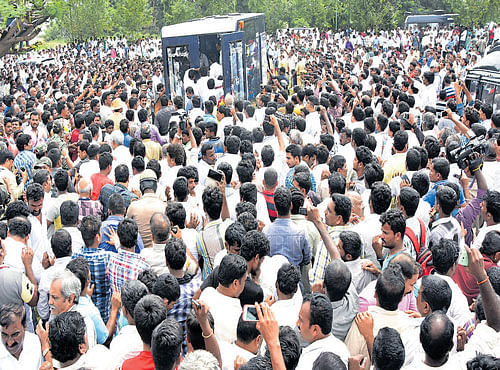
column 333, row 223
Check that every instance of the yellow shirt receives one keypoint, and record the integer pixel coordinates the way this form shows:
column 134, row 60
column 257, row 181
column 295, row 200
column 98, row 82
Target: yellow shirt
column 394, row 166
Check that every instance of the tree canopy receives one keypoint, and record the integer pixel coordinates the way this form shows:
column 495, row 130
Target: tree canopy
column 85, row 19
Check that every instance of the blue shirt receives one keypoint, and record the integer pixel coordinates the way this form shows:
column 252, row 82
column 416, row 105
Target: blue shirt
column 101, row 331
column 111, row 224
column 430, row 197
column 289, row 240
column 289, row 180
column 25, row 159
column 98, row 260
column 126, row 140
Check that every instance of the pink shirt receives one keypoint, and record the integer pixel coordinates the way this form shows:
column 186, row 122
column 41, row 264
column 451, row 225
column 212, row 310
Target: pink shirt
column 367, row 299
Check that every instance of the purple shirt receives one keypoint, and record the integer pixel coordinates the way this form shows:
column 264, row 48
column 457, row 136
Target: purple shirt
column 155, row 135
column 367, row 299
column 469, row 213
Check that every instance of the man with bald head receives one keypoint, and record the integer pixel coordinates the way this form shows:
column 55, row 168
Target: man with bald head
column 87, row 206
column 160, row 232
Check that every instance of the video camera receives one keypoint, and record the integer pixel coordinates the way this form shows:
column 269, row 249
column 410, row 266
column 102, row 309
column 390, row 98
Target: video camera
column 465, row 155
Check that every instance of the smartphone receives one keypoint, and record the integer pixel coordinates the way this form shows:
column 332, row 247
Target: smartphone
column 303, row 211
column 197, row 305
column 463, row 258
column 215, row 175
column 250, row 313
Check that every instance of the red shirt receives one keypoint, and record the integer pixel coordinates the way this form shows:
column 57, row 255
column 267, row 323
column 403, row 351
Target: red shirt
column 98, row 181
column 143, row 361
column 467, row 282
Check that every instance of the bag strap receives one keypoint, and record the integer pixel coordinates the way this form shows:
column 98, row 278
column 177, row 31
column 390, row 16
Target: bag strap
column 413, row 238
column 422, row 233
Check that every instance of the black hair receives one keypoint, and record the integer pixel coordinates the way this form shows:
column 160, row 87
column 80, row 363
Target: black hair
column 69, row 213
column 436, row 292
column 409, row 199
column 194, row 332
column 116, row 204
column 131, row 292
column 294, row 150
column 436, row 335
column 413, row 159
column 441, row 166
column 288, row 278
column 234, row 234
column 231, row 268
column 373, row 174
column 242, row 207
column 303, row 180
column 148, row 277
column 176, row 214
column 149, row 312
column 248, row 193
column 175, row 253
column 351, row 243
column 227, row 169
column 19, row 226
column 127, row 233
column 34, row 192
column 61, row 243
column 245, row 170
column 388, row 350
column 166, row 344
column 212, row 202
column 336, row 183
column 447, row 199
column 254, row 243
column 483, row 362
column 491, row 243
column 492, row 199
column 321, row 312
column 380, row 197
column 80, row 268
column 167, row 287
column 444, row 255
column 420, row 182
column 246, row 331
column 395, row 219
column 328, row 361
column 400, row 140
column 337, row 280
column 358, row 136
column 61, row 180
column 343, row 206
column 290, row 347
column 121, row 173
column 390, row 287
column 248, row 220
column 267, row 155
column 66, row 334
column 282, row 200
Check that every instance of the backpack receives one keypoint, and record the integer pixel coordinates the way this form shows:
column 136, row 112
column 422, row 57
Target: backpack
column 424, row 255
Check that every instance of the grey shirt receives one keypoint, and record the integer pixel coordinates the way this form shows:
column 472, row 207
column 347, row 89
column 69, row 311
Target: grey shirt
column 344, row 312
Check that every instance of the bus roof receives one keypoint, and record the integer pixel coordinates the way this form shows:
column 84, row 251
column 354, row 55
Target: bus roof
column 429, row 18
column 207, row 25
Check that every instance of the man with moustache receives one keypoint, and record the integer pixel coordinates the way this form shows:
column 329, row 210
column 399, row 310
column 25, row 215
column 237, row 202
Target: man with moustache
column 20, row 349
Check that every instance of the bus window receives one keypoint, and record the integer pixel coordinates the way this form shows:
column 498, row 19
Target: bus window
column 252, row 31
column 177, row 66
column 488, row 93
column 237, row 78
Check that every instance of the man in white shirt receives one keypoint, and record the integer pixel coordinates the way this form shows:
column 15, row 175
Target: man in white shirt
column 64, row 293
column 16, row 242
column 445, row 258
column 246, row 345
column 315, row 324
column 490, row 211
column 128, row 343
column 20, row 349
column 223, row 302
column 61, row 247
column 286, row 308
column 313, row 123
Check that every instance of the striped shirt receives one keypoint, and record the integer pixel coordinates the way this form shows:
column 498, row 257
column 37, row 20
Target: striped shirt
column 271, row 207
column 25, row 159
column 209, row 242
column 322, row 256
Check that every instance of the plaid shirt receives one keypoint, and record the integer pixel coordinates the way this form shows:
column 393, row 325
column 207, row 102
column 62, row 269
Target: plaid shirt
column 322, row 256
column 188, row 284
column 124, row 266
column 98, row 260
column 89, row 207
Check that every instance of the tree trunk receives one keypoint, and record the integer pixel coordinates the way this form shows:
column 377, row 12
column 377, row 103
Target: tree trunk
column 11, row 37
